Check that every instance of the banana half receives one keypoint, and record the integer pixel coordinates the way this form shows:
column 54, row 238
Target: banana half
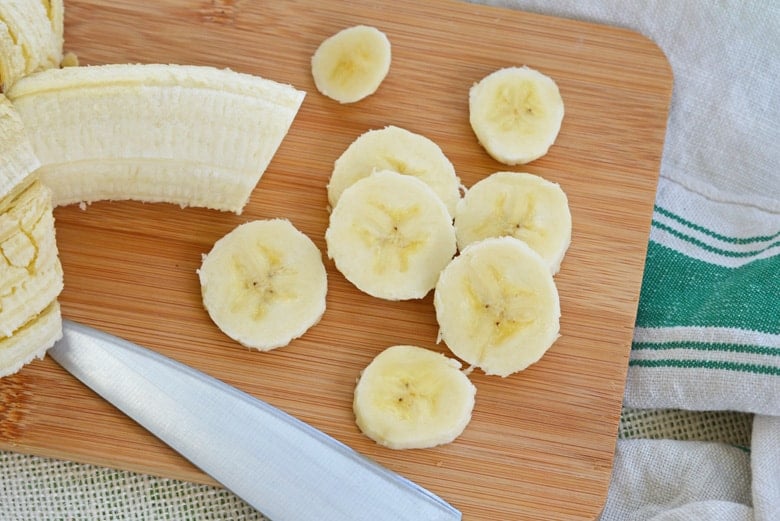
column 399, row 150
column 264, row 284
column 516, row 114
column 188, row 135
column 390, row 235
column 409, row 397
column 497, row 306
column 352, row 63
column 519, row 205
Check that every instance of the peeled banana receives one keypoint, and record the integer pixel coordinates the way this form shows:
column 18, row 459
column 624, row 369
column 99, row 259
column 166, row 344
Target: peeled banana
column 409, row 397
column 525, row 206
column 31, row 38
column 516, row 114
column 188, row 135
column 352, row 63
column 390, row 235
column 399, row 150
column 497, row 306
column 264, row 284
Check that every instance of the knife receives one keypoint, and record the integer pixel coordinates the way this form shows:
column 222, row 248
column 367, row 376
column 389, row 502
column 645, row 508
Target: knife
column 283, row 467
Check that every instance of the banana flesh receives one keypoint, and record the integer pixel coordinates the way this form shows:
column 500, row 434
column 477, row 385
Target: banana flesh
column 516, row 114
column 399, row 150
column 351, row 64
column 17, row 158
column 188, row 135
column 390, row 235
column 264, row 284
column 31, row 341
column 30, row 269
column 409, row 397
column 31, row 38
column 519, row 205
column 497, row 306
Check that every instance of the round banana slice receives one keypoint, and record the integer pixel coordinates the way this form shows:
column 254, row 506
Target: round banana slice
column 409, row 397
column 390, row 236
column 516, row 114
column 351, row 64
column 399, row 150
column 264, row 284
column 497, row 306
column 519, row 205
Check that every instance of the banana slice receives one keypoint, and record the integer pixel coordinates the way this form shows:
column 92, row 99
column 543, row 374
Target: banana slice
column 516, row 114
column 390, row 236
column 409, row 397
column 399, row 150
column 188, row 135
column 17, row 158
column 31, row 341
column 30, row 270
column 519, row 205
column 264, row 284
column 497, row 306
column 351, row 64
column 31, row 38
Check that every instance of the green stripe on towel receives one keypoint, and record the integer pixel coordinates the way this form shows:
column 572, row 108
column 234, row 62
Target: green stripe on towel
column 704, row 246
column 707, row 346
column 715, row 235
column 707, row 364
column 678, row 290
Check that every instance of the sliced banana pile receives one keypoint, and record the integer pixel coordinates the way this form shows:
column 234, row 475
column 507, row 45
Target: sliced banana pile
column 390, row 235
column 516, row 114
column 188, row 135
column 496, row 303
column 352, row 63
column 264, row 284
column 409, row 397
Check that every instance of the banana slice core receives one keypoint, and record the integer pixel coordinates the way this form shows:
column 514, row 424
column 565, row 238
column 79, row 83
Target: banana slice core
column 497, row 306
column 516, row 114
column 410, row 397
column 264, row 284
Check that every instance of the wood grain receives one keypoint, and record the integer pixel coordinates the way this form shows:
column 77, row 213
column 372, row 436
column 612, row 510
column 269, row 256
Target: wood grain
column 541, row 442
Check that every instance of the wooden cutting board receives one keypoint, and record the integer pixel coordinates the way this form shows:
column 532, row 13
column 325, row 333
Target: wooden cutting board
column 541, row 442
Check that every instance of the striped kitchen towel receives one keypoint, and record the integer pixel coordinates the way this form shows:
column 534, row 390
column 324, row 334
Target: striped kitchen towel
column 707, row 334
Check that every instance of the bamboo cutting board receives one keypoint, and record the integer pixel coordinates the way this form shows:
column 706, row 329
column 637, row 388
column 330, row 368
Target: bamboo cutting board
column 541, row 442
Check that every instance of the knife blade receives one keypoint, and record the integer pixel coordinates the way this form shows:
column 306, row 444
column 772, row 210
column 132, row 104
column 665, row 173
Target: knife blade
column 283, row 467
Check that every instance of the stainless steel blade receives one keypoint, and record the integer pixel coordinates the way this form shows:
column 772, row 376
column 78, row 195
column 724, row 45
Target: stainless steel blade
column 285, row 468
